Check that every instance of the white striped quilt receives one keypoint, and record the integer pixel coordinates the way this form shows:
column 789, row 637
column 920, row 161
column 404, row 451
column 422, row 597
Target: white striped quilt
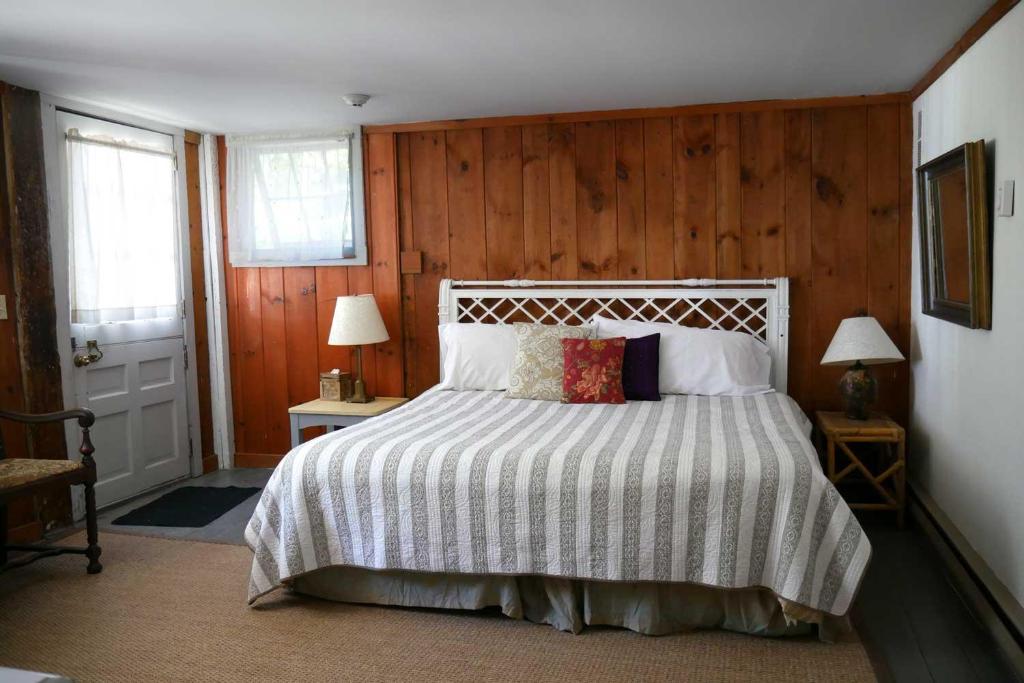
column 721, row 491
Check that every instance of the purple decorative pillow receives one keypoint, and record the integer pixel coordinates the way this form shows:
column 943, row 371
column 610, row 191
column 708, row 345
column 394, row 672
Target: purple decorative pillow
column 640, row 368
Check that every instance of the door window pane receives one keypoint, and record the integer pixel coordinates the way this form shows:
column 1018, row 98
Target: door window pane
column 122, row 212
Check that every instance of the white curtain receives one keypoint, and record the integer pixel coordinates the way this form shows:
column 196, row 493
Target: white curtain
column 122, row 225
column 289, row 199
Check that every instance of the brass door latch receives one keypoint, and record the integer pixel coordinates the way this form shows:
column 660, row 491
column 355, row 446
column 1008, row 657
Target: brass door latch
column 92, row 355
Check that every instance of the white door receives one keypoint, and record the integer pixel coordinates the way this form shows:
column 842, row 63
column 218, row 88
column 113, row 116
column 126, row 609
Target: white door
column 123, row 232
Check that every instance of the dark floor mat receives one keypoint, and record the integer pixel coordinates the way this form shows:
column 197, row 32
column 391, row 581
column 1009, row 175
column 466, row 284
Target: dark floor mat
column 188, row 506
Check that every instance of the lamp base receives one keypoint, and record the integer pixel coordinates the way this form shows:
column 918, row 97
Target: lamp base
column 359, row 393
column 859, row 389
column 358, row 387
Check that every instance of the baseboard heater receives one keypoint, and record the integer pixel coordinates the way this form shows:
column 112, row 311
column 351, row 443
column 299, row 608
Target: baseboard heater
column 985, row 594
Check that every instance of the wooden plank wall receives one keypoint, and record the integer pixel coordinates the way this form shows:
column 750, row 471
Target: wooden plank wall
column 819, row 194
column 279, row 318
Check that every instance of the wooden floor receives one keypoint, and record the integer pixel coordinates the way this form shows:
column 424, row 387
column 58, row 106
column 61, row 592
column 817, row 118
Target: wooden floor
column 915, row 626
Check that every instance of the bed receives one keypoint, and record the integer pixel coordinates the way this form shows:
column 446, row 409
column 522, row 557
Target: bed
column 691, row 512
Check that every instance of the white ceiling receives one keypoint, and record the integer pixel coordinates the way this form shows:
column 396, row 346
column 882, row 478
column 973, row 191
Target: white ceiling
column 262, row 65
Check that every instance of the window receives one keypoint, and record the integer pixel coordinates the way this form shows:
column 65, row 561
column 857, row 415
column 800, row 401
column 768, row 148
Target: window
column 122, row 213
column 295, row 200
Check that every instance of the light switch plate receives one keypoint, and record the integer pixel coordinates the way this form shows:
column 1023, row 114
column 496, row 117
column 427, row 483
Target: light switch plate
column 1004, row 199
column 3, row 307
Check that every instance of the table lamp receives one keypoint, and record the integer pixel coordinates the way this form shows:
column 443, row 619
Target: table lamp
column 356, row 322
column 863, row 342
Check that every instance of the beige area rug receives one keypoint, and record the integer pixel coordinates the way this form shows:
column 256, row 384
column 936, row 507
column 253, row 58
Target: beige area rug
column 167, row 610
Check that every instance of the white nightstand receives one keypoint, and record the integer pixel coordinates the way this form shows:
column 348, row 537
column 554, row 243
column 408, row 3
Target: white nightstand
column 320, row 413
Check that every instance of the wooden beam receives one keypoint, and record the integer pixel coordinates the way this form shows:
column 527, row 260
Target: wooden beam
column 196, row 264
column 21, row 514
column 643, row 113
column 986, row 21
column 23, row 201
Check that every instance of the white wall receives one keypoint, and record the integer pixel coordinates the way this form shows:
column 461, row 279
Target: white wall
column 967, row 396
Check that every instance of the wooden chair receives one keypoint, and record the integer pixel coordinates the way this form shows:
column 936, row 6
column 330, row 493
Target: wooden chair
column 21, row 476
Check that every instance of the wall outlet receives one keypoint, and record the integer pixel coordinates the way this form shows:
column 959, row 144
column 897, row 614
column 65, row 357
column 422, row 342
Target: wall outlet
column 1004, row 199
column 3, row 307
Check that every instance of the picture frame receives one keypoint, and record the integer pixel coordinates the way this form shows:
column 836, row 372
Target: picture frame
column 955, row 237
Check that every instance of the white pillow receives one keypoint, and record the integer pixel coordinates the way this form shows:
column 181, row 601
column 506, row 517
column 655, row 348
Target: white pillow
column 699, row 361
column 477, row 356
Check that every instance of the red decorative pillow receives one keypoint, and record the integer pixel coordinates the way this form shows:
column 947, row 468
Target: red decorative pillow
column 593, row 370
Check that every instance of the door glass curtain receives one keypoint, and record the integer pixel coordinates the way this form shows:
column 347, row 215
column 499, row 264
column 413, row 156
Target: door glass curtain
column 123, row 263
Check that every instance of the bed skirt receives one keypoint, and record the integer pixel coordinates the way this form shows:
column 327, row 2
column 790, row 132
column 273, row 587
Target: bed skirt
column 570, row 604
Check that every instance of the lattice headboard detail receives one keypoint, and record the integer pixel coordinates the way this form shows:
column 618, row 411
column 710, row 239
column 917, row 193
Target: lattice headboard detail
column 757, row 307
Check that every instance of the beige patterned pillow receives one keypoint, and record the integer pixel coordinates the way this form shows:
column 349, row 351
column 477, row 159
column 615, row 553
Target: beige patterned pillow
column 537, row 366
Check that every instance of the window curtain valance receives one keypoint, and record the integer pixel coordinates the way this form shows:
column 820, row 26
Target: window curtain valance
column 290, row 198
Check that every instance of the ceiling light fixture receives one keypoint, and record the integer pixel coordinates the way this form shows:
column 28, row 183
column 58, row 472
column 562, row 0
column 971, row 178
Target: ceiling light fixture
column 355, row 99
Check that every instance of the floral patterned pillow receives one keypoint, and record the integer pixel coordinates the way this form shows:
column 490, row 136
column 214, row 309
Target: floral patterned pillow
column 593, row 370
column 537, row 367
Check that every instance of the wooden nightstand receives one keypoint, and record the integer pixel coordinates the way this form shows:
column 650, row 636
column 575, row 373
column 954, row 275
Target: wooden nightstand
column 883, row 468
column 321, row 413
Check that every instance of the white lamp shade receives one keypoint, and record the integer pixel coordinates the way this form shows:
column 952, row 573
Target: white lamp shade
column 861, row 339
column 357, row 321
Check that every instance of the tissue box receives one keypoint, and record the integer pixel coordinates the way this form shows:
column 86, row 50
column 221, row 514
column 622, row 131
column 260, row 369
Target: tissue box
column 335, row 386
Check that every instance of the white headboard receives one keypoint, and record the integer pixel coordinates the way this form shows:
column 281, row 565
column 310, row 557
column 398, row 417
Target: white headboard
column 758, row 307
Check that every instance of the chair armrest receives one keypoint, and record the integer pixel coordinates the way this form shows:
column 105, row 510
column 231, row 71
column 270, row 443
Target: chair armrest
column 83, row 415
column 85, row 419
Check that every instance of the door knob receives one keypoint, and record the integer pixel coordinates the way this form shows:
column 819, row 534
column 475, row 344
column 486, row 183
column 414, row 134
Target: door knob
column 92, row 355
